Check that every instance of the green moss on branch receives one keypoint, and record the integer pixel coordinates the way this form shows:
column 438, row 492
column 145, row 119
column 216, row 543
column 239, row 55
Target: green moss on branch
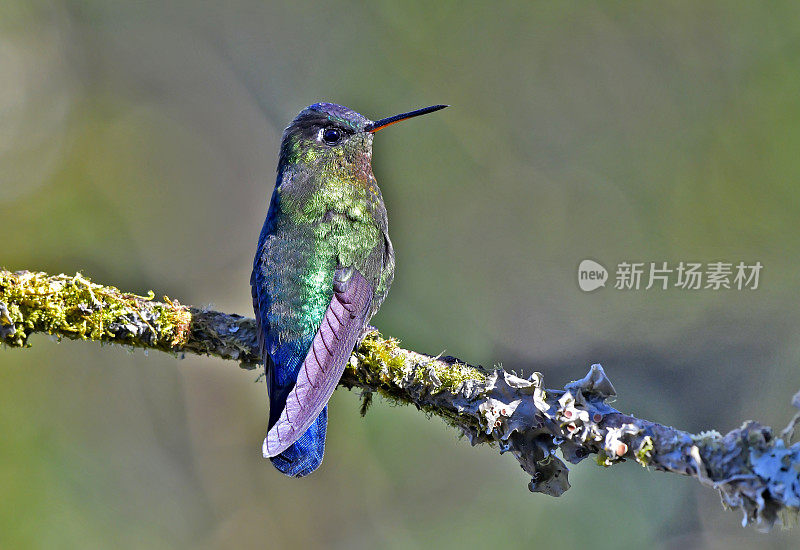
column 74, row 307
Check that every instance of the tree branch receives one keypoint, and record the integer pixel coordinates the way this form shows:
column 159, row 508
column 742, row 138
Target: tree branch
column 753, row 470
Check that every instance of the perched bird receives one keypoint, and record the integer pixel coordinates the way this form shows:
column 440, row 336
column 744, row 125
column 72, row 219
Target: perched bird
column 323, row 266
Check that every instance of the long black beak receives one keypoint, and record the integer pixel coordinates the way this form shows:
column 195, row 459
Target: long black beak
column 373, row 127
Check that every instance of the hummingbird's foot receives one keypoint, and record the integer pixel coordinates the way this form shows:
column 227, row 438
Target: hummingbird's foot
column 368, row 329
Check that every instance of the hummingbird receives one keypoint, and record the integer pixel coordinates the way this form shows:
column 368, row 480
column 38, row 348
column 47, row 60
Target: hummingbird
column 323, row 266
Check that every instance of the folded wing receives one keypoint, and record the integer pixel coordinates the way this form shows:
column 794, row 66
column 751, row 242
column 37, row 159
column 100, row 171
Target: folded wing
column 325, row 361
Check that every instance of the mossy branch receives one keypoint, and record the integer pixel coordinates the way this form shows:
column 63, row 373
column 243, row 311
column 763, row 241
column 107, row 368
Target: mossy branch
column 753, row 470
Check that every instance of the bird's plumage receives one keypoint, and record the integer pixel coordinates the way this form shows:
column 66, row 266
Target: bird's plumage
column 323, row 266
column 326, row 217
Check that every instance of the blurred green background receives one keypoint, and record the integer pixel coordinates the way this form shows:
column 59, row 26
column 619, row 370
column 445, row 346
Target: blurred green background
column 138, row 144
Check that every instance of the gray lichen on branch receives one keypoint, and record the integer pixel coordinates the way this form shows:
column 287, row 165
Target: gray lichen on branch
column 753, row 470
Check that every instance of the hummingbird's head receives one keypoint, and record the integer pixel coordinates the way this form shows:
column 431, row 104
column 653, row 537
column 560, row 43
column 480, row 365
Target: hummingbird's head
column 327, row 135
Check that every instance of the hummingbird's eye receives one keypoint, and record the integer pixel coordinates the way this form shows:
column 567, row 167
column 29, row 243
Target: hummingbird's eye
column 331, row 136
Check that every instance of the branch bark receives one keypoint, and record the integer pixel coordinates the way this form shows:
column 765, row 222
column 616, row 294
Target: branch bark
column 754, row 470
